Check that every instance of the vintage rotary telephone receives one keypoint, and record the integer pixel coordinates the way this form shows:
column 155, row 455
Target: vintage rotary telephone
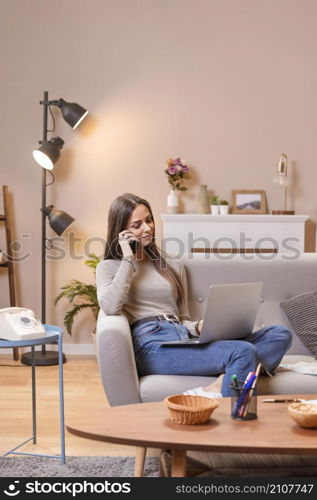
column 19, row 323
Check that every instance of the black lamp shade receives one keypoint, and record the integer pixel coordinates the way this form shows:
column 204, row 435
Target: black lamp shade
column 58, row 219
column 48, row 153
column 72, row 112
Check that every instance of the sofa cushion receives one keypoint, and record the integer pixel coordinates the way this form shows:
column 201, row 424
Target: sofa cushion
column 301, row 311
column 157, row 387
column 286, row 381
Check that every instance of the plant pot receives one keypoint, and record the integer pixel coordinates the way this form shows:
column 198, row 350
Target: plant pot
column 214, row 209
column 224, row 209
column 172, row 202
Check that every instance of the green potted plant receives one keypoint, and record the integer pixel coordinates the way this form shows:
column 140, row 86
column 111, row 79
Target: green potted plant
column 215, row 200
column 86, row 293
column 224, row 207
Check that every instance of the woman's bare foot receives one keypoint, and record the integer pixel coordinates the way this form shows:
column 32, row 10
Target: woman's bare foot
column 215, row 386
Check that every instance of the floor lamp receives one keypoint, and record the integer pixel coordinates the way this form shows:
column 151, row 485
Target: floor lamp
column 46, row 156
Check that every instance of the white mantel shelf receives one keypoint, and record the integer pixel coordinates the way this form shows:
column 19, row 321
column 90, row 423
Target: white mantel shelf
column 189, row 234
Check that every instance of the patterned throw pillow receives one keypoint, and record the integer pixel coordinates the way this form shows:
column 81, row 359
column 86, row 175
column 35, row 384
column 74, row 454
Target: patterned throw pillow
column 301, row 311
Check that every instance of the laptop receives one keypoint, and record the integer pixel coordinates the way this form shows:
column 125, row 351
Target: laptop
column 230, row 313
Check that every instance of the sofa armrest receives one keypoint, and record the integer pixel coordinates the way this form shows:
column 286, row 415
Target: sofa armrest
column 116, row 360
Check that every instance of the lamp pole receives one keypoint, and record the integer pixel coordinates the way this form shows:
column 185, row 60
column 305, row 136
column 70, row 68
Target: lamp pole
column 43, row 240
column 43, row 357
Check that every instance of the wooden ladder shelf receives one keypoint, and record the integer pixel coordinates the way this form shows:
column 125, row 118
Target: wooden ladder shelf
column 7, row 219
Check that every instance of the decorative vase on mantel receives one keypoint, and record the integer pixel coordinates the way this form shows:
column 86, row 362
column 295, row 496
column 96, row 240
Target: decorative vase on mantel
column 173, row 202
column 203, row 202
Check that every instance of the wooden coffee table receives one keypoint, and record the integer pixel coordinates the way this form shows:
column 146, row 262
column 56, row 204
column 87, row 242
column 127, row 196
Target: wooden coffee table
column 148, row 425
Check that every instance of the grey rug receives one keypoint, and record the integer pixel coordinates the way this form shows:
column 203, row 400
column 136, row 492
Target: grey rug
column 75, row 467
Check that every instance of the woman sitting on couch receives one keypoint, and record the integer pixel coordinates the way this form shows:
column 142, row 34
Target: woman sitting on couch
column 151, row 290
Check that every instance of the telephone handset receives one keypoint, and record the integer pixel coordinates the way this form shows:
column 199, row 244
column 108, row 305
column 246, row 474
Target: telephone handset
column 133, row 244
column 20, row 323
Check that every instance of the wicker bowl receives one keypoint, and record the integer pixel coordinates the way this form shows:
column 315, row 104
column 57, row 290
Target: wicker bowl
column 305, row 414
column 185, row 409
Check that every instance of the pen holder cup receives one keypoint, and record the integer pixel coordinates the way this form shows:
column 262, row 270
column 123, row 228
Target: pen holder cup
column 243, row 403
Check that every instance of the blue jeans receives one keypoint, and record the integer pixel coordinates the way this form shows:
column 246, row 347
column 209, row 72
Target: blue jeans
column 238, row 357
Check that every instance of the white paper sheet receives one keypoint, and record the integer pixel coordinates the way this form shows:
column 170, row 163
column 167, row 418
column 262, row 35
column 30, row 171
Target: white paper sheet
column 301, row 367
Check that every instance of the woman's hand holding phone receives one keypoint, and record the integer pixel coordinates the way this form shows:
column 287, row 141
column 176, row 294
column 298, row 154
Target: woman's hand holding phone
column 128, row 244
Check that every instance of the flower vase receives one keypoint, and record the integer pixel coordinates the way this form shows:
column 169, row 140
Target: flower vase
column 203, row 203
column 172, row 202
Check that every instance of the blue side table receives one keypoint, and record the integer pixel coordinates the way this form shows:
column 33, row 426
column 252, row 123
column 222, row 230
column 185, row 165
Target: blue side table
column 52, row 334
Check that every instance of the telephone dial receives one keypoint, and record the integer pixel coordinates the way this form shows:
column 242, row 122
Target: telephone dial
column 19, row 323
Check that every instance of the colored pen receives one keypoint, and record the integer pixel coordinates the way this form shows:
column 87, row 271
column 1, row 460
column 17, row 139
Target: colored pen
column 241, row 400
column 234, row 380
column 271, row 400
column 251, row 391
column 245, row 395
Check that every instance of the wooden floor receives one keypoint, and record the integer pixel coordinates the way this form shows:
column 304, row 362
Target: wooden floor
column 82, row 388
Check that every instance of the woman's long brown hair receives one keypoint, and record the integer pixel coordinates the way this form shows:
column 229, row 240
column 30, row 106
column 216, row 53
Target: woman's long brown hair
column 119, row 215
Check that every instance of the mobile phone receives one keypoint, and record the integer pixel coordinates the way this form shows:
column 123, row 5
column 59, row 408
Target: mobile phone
column 133, row 245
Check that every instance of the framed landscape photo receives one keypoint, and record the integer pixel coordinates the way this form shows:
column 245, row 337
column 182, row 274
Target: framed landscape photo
column 248, row 201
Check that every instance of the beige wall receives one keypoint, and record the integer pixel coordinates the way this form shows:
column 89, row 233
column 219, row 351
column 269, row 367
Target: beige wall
column 227, row 84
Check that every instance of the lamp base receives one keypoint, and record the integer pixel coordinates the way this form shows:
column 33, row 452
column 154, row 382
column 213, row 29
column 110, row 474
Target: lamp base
column 46, row 358
column 283, row 212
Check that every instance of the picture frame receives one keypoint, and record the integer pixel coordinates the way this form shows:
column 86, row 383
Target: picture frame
column 248, row 201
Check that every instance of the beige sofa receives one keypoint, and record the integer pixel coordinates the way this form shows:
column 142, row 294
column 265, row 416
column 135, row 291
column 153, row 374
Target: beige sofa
column 282, row 279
